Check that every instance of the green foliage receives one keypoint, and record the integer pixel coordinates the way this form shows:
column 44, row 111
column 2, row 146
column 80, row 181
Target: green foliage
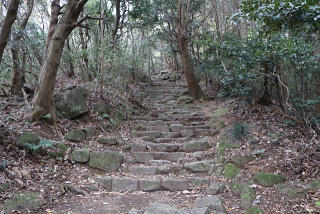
column 293, row 15
column 42, row 144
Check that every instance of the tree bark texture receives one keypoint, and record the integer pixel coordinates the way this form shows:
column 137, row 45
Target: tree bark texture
column 18, row 79
column 7, row 24
column 55, row 11
column 43, row 102
column 187, row 65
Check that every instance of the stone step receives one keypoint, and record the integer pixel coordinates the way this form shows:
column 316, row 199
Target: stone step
column 147, row 184
column 145, row 157
column 183, row 167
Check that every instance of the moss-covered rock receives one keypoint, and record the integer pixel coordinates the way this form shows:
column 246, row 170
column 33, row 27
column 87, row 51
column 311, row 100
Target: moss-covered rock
column 255, row 210
column 28, row 140
column 246, row 200
column 24, row 200
column 109, row 161
column 91, row 131
column 314, row 185
column 230, row 171
column 268, row 179
column 76, row 136
column 80, row 155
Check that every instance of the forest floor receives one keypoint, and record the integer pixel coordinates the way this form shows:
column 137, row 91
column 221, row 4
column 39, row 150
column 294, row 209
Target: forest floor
column 254, row 131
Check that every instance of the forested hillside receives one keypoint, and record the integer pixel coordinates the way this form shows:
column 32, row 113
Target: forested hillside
column 160, row 106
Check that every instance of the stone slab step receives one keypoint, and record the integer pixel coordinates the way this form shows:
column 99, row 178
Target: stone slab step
column 129, row 184
column 144, row 157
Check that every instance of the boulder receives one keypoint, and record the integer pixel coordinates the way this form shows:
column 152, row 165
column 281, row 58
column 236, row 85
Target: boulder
column 76, row 136
column 109, row 161
column 91, row 131
column 241, row 160
column 71, row 104
column 254, row 210
column 24, row 201
column 28, row 140
column 213, row 202
column 101, row 108
column 185, row 99
column 80, row 155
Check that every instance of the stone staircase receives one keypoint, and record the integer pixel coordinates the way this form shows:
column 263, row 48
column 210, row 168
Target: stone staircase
column 171, row 147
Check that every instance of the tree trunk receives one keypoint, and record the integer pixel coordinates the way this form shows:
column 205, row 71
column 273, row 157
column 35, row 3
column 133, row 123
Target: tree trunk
column 70, row 73
column 188, row 69
column 55, row 11
column 43, row 100
column 18, row 79
column 117, row 22
column 7, row 24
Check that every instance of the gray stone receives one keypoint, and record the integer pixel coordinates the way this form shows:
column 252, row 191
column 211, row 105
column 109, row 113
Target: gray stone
column 91, row 131
column 76, row 135
column 124, row 184
column 164, row 147
column 159, row 162
column 213, row 202
column 71, row 104
column 198, row 155
column 173, row 184
column 143, row 157
column 199, row 166
column 160, row 128
column 80, row 155
column 185, row 100
column 23, row 201
column 143, row 170
column 105, row 183
column 149, row 185
column 203, row 210
column 196, row 182
column 201, row 132
column 186, row 160
column 194, row 146
column 187, row 133
column 216, row 188
column 101, row 108
column 108, row 141
column 152, row 134
column 171, row 134
column 159, row 208
column 173, row 156
column 134, row 211
column 91, row 188
column 177, row 127
column 109, row 161
column 138, row 148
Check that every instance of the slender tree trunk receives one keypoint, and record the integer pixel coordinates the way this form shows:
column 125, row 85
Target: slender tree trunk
column 18, row 79
column 217, row 19
column 316, row 78
column 43, row 100
column 117, row 22
column 71, row 73
column 55, row 11
column 102, row 65
column 188, row 69
column 7, row 24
